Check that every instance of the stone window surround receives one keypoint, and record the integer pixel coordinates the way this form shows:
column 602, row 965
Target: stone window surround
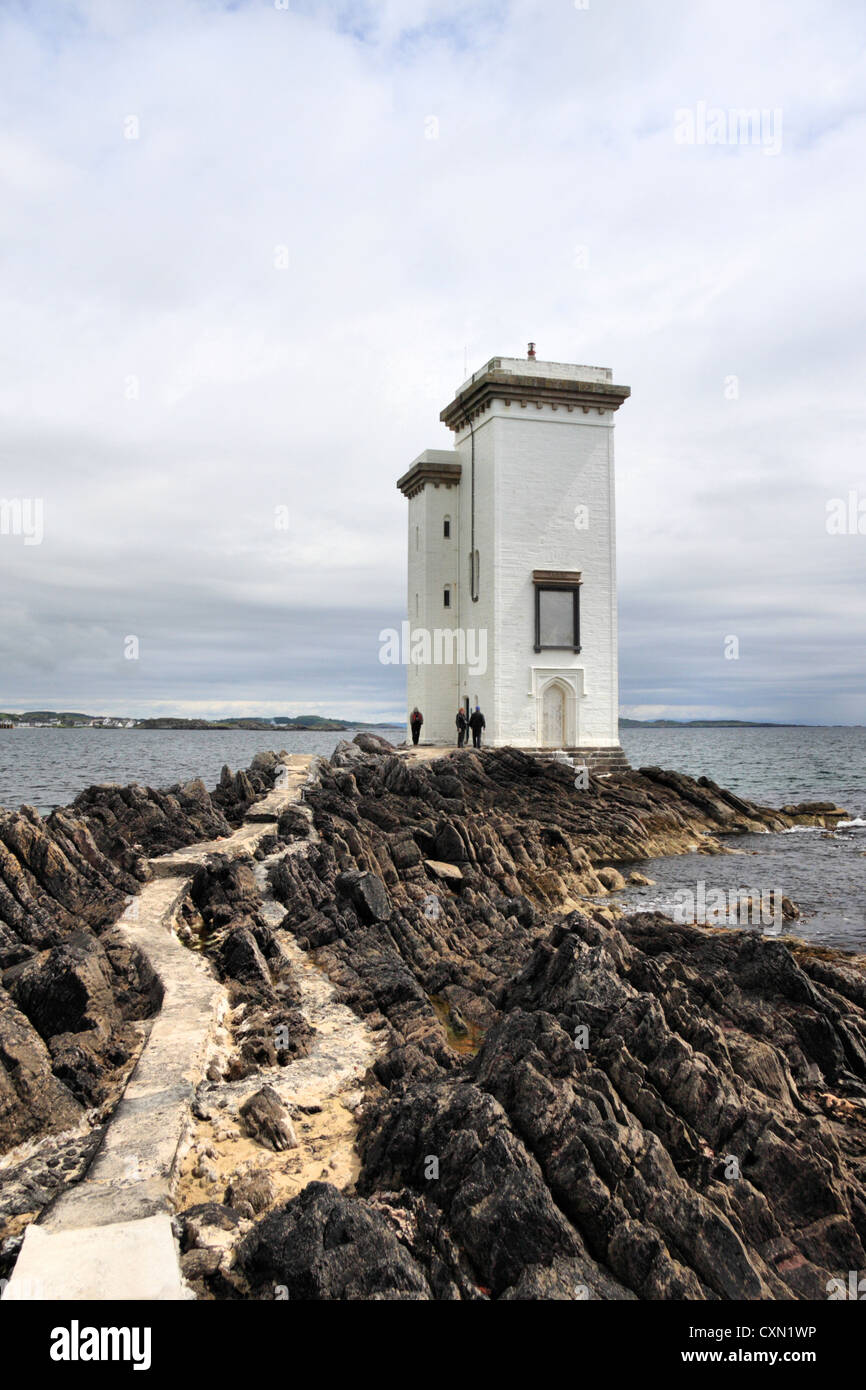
column 562, row 581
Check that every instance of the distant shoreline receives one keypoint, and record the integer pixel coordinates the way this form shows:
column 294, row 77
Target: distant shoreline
column 724, row 724
column 50, row 719
column 205, row 728
column 115, row 722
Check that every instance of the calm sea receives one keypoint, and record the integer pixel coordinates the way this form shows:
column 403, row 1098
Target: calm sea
column 49, row 767
column 825, row 873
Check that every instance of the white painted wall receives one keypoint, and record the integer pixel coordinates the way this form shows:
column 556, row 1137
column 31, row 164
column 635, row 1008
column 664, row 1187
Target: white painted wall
column 478, row 616
column 434, row 688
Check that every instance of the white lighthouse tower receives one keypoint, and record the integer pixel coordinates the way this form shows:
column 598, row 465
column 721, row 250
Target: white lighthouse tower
column 512, row 561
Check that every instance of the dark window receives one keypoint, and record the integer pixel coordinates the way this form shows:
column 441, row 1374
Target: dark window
column 446, row 598
column 446, row 528
column 557, row 617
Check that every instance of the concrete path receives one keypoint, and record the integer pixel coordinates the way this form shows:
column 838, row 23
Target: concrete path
column 128, row 1260
column 110, row 1235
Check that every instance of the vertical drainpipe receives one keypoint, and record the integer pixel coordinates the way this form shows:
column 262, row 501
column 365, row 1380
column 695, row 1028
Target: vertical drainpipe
column 473, row 578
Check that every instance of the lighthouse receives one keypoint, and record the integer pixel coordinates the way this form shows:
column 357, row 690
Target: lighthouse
column 512, row 561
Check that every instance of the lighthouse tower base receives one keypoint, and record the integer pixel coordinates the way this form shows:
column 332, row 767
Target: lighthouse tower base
column 597, row 760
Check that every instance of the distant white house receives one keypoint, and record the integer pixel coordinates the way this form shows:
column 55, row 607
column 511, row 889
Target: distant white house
column 512, row 560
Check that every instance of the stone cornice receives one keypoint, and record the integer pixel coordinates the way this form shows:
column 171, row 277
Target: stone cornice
column 544, row 577
column 424, row 471
column 532, row 390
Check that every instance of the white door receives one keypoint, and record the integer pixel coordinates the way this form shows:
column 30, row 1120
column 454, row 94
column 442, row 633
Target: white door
column 553, row 717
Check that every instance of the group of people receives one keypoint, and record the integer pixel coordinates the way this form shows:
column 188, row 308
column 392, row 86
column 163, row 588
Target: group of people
column 473, row 724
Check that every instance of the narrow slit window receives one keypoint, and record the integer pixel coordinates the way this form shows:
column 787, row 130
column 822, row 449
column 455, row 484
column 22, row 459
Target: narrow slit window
column 446, row 528
column 446, row 596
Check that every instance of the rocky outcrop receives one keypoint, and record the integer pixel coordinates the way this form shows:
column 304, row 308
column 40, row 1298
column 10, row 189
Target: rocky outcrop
column 325, row 1245
column 69, row 1032
column 53, row 877
column 564, row 1105
column 74, row 998
column 568, row 1107
column 32, row 1099
column 429, row 881
column 130, row 822
column 682, row 1112
column 83, row 997
column 222, row 916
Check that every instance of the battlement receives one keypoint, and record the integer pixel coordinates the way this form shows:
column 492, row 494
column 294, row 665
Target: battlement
column 555, row 371
column 524, row 381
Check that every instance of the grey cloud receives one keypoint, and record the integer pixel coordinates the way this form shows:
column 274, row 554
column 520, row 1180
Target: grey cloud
column 151, row 263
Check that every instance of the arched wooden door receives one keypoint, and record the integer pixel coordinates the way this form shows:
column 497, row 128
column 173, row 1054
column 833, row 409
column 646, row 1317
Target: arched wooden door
column 553, row 716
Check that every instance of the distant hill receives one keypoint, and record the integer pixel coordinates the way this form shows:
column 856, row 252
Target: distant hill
column 296, row 721
column 41, row 715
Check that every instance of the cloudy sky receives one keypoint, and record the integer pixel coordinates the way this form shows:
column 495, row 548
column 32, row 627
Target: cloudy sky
column 247, row 249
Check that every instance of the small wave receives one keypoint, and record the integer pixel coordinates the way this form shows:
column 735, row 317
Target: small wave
column 806, row 829
column 857, row 823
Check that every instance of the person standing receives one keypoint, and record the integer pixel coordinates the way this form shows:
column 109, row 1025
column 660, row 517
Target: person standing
column 460, row 721
column 477, row 722
column 416, row 719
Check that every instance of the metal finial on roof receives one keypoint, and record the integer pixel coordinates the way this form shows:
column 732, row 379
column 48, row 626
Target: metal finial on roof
column 531, row 352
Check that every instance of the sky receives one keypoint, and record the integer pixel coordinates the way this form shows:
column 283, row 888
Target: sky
column 250, row 249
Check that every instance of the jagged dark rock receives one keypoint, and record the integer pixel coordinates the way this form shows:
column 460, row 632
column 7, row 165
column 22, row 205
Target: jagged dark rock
column 32, row 1099
column 565, row 1105
column 81, row 997
column 222, row 913
column 368, row 893
column 72, row 991
column 326, row 1245
column 606, row 1166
